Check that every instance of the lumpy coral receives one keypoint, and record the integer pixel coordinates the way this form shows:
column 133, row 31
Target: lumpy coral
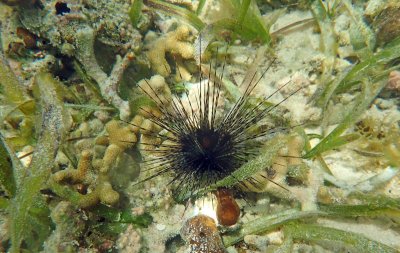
column 394, row 81
column 91, row 177
column 119, row 139
column 157, row 89
column 175, row 43
column 129, row 241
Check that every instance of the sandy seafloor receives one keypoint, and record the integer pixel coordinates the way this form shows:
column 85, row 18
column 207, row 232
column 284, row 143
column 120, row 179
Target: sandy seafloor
column 300, row 61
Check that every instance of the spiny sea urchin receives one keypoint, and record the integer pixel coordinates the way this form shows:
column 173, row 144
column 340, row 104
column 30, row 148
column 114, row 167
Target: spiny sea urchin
column 202, row 146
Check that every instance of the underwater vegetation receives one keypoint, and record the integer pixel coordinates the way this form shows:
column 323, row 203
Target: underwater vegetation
column 199, row 126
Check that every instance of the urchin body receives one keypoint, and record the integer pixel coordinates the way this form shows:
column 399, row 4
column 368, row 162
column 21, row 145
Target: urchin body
column 209, row 154
column 201, row 148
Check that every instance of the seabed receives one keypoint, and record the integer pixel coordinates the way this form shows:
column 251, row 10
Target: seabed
column 75, row 125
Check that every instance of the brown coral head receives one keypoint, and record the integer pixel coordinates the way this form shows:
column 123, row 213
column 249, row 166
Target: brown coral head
column 202, row 235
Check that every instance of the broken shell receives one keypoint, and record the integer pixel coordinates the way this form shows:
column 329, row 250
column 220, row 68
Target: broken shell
column 228, row 210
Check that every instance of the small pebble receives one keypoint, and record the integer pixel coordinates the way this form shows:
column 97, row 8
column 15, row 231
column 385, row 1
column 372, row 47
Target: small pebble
column 160, row 227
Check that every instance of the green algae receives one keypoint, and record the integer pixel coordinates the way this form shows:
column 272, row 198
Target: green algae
column 12, row 89
column 15, row 103
column 200, row 6
column 249, row 169
column 289, row 221
column 22, row 209
column 7, row 179
column 318, row 234
column 268, row 223
column 247, row 22
column 135, row 12
column 117, row 220
column 370, row 74
column 362, row 102
column 171, row 9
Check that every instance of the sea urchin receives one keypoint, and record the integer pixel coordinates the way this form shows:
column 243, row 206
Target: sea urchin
column 202, row 145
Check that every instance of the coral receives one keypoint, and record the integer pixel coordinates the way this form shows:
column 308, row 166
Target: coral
column 93, row 188
column 79, row 175
column 394, row 81
column 102, row 192
column 149, row 140
column 129, row 241
column 157, row 89
column 91, row 177
column 108, row 84
column 136, row 122
column 119, row 138
column 387, row 23
column 174, row 42
column 75, row 28
column 202, row 235
column 377, row 129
